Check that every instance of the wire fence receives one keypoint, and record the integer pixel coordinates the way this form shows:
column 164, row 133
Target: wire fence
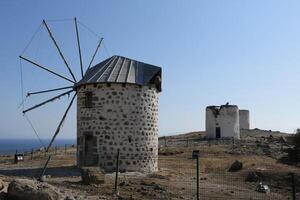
column 188, row 178
column 174, row 179
column 227, row 185
column 179, row 175
column 29, row 163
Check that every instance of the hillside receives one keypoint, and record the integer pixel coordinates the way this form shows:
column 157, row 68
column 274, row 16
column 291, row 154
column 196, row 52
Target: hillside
column 259, row 152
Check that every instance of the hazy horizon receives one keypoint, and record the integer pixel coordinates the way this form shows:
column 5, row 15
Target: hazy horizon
column 211, row 52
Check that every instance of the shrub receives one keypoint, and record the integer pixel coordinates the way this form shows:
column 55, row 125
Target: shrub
column 294, row 153
column 296, row 139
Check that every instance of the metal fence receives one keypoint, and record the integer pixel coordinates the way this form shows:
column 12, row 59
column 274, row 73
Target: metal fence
column 182, row 177
column 175, row 179
column 179, row 176
column 231, row 185
column 33, row 161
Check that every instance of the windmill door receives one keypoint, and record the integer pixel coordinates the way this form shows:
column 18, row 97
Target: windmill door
column 218, row 132
column 90, row 151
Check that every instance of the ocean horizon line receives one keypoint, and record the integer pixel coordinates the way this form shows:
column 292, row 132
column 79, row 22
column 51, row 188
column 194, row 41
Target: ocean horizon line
column 36, row 139
column 12, row 145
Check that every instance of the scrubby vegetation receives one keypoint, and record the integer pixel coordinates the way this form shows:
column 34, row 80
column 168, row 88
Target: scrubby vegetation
column 296, row 138
column 294, row 152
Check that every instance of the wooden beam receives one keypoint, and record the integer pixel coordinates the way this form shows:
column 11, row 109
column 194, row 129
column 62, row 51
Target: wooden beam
column 51, row 90
column 78, row 44
column 46, row 69
column 97, row 48
column 49, row 100
column 60, row 123
column 58, row 49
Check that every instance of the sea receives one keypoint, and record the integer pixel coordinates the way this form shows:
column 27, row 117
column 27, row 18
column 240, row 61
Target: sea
column 11, row 146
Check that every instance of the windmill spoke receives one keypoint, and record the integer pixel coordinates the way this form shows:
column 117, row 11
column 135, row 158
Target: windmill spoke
column 98, row 46
column 78, row 44
column 60, row 123
column 51, row 90
column 47, row 101
column 44, row 168
column 55, row 134
column 46, row 69
column 58, row 49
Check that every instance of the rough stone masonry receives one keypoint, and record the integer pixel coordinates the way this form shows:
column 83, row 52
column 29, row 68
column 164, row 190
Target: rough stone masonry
column 112, row 116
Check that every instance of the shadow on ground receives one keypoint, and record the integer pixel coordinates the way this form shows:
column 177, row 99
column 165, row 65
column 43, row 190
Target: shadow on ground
column 53, row 171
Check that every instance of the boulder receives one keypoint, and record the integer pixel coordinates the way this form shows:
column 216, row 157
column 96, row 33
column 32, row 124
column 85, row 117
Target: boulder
column 236, row 166
column 252, row 177
column 25, row 189
column 92, row 175
column 43, row 179
column 263, row 188
column 124, row 183
column 3, row 196
column 1, row 185
column 153, row 185
column 271, row 136
column 69, row 198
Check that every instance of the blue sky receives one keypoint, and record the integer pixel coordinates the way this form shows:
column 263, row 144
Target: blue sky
column 212, row 52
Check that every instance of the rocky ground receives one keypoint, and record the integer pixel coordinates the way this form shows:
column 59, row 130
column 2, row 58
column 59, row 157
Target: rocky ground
column 259, row 153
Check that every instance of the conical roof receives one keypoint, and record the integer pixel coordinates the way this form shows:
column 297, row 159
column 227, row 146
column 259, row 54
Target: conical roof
column 119, row 69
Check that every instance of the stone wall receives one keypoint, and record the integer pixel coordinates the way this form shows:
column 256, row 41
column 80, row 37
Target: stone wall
column 117, row 116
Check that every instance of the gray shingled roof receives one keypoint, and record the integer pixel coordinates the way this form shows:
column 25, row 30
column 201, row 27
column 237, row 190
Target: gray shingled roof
column 118, row 69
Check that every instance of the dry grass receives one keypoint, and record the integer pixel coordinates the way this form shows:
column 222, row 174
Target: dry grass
column 176, row 178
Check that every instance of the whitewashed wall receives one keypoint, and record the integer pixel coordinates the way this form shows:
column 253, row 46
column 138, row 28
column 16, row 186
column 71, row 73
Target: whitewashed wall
column 226, row 117
column 244, row 119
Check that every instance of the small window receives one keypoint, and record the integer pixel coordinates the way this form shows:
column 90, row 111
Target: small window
column 88, row 100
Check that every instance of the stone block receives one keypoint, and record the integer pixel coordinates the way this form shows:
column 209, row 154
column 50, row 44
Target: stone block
column 92, row 175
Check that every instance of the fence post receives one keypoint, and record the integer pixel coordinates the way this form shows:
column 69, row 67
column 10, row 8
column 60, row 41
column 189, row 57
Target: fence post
column 117, row 173
column 31, row 154
column 65, row 148
column 293, row 185
column 198, row 172
column 187, row 142
column 165, row 139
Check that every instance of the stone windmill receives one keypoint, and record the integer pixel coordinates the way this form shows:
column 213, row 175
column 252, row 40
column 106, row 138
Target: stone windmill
column 117, row 110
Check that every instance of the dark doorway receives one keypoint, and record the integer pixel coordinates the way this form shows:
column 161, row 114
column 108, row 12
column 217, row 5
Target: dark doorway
column 90, row 151
column 218, row 132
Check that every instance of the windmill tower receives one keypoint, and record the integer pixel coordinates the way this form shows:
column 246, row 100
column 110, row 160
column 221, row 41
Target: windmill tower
column 222, row 121
column 117, row 110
